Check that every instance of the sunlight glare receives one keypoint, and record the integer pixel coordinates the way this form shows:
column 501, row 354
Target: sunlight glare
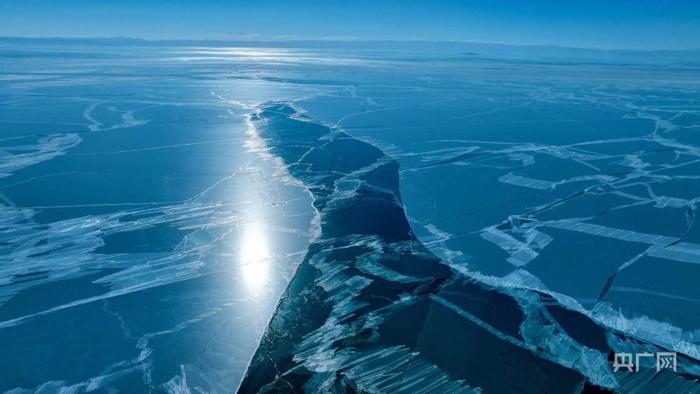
column 254, row 257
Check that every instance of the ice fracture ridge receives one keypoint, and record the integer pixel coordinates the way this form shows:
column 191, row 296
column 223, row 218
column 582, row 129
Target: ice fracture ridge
column 370, row 309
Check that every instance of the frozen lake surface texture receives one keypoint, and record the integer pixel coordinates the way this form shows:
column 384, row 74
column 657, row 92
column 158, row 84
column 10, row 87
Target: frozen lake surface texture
column 406, row 220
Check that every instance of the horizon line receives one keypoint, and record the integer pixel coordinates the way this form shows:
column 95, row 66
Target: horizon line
column 282, row 40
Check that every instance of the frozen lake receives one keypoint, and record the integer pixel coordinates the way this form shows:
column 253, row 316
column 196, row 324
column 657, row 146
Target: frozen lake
column 442, row 219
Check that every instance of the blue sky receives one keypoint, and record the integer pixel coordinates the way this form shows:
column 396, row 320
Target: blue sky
column 641, row 24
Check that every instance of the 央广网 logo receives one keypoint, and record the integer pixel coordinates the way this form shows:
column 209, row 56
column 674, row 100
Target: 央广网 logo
column 632, row 361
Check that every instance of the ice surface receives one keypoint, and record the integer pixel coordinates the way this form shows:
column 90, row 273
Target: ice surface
column 137, row 228
column 459, row 223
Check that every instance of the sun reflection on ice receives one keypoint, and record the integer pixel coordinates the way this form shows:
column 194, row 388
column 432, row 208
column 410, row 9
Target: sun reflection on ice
column 254, row 257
